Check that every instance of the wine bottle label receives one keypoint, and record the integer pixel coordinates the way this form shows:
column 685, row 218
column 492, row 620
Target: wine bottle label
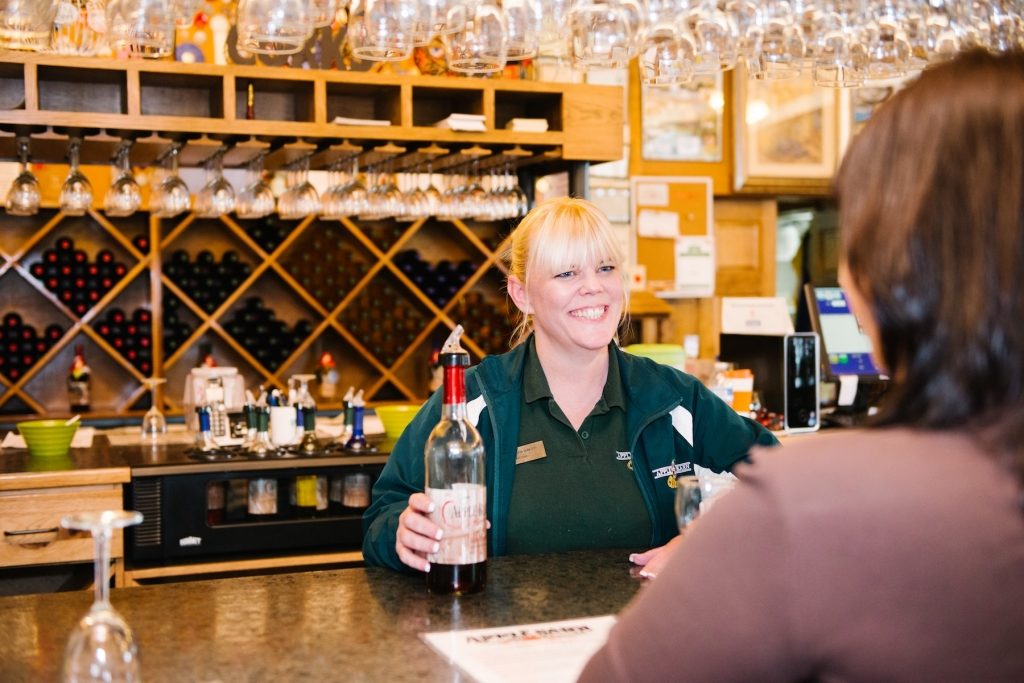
column 305, row 491
column 263, row 496
column 461, row 513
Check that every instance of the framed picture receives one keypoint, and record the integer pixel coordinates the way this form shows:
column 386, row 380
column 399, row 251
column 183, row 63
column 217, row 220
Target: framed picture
column 788, row 136
column 683, row 122
column 858, row 105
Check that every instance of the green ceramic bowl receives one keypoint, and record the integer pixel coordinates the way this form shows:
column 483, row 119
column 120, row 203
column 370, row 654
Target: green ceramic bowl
column 47, row 438
column 396, row 417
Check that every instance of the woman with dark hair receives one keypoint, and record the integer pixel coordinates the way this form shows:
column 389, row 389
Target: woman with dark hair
column 895, row 553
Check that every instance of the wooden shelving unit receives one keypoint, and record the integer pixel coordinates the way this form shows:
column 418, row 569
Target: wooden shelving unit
column 202, row 106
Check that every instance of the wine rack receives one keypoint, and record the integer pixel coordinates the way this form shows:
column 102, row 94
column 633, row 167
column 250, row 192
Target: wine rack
column 266, row 295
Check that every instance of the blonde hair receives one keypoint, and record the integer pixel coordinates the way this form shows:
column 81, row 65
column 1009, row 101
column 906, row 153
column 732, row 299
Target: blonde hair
column 556, row 236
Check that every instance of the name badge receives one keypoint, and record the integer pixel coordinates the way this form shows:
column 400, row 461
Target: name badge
column 530, row 451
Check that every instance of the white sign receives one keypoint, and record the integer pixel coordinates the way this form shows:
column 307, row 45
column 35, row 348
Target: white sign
column 695, row 266
column 652, row 194
column 653, row 223
column 553, row 652
column 767, row 315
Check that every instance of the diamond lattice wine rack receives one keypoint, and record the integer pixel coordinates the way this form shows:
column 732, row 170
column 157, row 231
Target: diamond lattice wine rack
column 143, row 295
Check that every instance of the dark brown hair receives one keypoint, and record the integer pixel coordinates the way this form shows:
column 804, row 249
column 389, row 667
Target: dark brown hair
column 931, row 214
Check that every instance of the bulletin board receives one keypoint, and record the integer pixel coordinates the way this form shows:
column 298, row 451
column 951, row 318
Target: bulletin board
column 672, row 231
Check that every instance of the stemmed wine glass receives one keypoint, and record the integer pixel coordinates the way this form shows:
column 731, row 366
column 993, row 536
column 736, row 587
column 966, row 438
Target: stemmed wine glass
column 154, row 425
column 171, row 196
column 256, row 199
column 76, row 192
column 102, row 646
column 355, row 198
column 688, row 501
column 301, row 199
column 217, row 197
column 23, row 196
column 123, row 198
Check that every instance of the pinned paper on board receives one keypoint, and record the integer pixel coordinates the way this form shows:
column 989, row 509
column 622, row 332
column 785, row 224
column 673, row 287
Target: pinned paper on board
column 695, row 266
column 673, row 234
column 653, row 223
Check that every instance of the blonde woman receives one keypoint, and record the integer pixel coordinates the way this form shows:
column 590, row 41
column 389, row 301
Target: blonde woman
column 584, row 442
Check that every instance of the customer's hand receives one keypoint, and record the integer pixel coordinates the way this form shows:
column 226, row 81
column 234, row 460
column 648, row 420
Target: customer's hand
column 417, row 535
column 654, row 559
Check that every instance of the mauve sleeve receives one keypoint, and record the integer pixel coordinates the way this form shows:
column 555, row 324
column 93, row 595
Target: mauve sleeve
column 720, row 609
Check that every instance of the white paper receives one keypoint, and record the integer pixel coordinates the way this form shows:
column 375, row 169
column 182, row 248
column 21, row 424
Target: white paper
column 695, row 265
column 653, row 223
column 767, row 315
column 847, row 390
column 82, row 439
column 553, row 652
column 346, row 121
column 652, row 194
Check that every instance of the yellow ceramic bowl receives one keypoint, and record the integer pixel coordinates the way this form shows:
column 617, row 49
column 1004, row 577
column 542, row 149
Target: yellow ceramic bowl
column 47, row 438
column 396, row 417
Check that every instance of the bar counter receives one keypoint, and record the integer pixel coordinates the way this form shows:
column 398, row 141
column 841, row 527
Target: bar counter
column 346, row 624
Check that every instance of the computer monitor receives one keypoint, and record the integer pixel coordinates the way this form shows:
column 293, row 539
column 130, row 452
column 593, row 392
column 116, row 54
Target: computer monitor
column 845, row 349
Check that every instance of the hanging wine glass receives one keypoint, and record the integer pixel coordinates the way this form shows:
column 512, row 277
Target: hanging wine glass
column 332, row 202
column 76, row 192
column 154, row 425
column 123, row 197
column 171, row 196
column 23, row 196
column 102, row 646
column 256, row 199
column 301, row 199
column 432, row 195
column 217, row 197
column 354, row 194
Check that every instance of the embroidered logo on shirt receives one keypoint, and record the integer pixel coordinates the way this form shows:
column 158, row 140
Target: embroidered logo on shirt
column 673, row 471
column 625, row 456
column 530, row 452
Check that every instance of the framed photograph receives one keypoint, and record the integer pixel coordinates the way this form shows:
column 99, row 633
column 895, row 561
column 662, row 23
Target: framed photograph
column 788, row 136
column 858, row 105
column 683, row 122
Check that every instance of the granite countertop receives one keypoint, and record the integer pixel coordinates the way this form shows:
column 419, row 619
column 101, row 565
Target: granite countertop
column 104, row 462
column 347, row 624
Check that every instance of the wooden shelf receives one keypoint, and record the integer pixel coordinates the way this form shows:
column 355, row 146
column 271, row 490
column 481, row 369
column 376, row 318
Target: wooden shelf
column 202, row 108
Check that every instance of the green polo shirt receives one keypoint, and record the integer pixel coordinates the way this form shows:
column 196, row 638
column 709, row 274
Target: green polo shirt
column 574, row 490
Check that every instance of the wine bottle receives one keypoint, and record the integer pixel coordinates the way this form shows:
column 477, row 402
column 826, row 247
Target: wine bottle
column 454, row 459
column 78, row 382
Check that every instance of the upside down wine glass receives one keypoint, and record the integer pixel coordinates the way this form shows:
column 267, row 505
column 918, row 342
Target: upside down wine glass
column 154, row 424
column 688, row 500
column 102, row 646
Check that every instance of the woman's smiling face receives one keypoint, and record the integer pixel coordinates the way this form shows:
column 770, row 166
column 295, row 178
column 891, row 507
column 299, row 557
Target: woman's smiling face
column 576, row 308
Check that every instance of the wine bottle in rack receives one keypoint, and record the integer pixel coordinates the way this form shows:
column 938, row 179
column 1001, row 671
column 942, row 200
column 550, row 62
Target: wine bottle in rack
column 79, row 377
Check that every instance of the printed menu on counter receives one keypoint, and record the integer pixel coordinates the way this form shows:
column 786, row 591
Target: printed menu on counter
column 553, row 651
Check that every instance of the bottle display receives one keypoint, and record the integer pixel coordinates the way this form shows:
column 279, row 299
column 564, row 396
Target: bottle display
column 206, row 280
column 267, row 338
column 79, row 390
column 309, row 444
column 131, row 336
column 454, row 463
column 76, row 281
column 327, row 376
column 21, row 345
column 439, row 281
column 262, row 498
column 357, row 442
column 176, row 328
column 326, row 263
column 204, row 437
